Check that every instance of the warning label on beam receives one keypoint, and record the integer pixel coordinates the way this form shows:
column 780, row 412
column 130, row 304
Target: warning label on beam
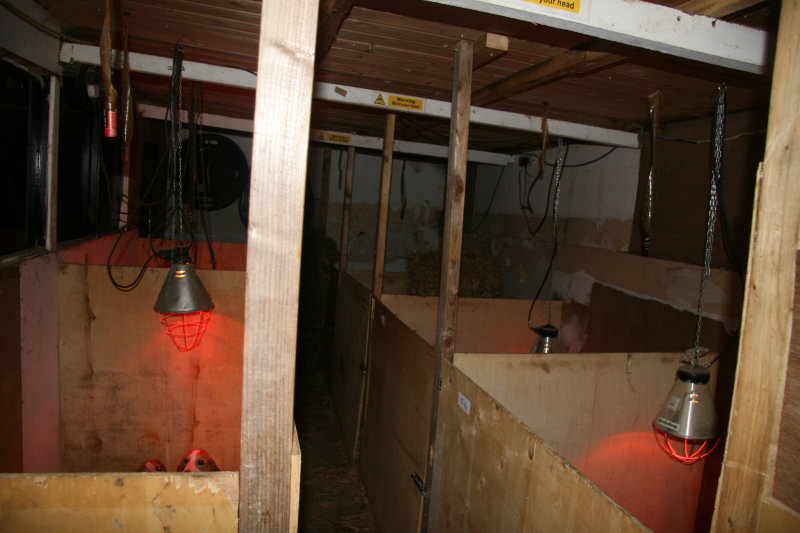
column 338, row 138
column 408, row 103
column 573, row 6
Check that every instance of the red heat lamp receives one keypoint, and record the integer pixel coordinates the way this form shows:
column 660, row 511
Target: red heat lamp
column 686, row 427
column 184, row 305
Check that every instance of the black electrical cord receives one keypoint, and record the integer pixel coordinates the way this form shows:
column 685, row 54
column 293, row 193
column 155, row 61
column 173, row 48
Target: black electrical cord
column 557, row 178
column 491, row 202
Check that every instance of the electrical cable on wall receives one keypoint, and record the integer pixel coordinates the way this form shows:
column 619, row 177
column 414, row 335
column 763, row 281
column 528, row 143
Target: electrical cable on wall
column 654, row 100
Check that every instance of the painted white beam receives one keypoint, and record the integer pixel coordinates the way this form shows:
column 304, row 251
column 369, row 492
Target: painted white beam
column 642, row 24
column 406, row 147
column 490, row 117
column 25, row 40
column 333, row 137
column 386, row 100
column 192, row 70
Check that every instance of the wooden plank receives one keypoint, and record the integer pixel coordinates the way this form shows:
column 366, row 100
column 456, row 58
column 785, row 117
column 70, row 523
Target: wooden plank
column 294, row 512
column 347, row 203
column 126, row 393
column 767, row 315
column 38, row 309
column 786, row 487
column 51, row 163
column 191, row 502
column 349, row 355
column 10, row 378
column 324, row 192
column 451, row 241
column 596, row 411
column 396, row 423
column 492, row 474
column 715, row 8
column 776, row 518
column 277, row 193
column 383, row 207
column 489, row 47
column 331, row 16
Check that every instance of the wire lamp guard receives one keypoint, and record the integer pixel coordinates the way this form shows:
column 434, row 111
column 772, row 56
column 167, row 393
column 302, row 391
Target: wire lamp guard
column 184, row 306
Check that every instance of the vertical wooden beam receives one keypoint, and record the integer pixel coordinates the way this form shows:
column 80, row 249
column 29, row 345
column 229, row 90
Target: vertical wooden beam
column 383, row 207
column 277, row 190
column 748, row 468
column 324, row 192
column 346, row 206
column 452, row 235
column 51, row 229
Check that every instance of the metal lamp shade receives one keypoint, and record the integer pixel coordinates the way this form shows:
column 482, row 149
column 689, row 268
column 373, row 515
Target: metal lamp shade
column 184, row 306
column 182, row 292
column 688, row 418
column 548, row 340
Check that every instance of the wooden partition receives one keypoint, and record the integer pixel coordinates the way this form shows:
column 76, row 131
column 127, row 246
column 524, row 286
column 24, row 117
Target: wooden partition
column 127, row 393
column 122, row 501
column 491, row 473
column 484, row 324
column 596, row 411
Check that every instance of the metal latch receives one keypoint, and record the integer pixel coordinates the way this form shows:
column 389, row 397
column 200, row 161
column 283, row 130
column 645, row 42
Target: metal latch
column 419, row 485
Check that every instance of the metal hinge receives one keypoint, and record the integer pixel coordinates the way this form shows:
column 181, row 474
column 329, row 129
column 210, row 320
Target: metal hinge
column 419, row 485
column 439, row 383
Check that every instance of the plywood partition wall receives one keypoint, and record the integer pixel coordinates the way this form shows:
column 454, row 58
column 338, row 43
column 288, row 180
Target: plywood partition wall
column 491, row 473
column 396, row 423
column 274, row 238
column 127, row 393
column 596, row 410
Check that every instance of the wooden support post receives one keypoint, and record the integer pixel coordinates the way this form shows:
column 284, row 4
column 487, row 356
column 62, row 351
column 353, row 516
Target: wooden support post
column 51, row 226
column 324, row 191
column 746, row 482
column 383, row 207
column 277, row 191
column 346, row 205
column 453, row 231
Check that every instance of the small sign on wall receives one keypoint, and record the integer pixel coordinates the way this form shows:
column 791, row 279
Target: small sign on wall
column 464, row 403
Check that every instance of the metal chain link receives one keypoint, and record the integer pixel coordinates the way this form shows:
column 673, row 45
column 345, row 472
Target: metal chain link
column 557, row 178
column 713, row 201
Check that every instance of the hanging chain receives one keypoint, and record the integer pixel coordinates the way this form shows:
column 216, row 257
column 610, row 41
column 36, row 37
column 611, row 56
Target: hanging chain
column 713, row 201
column 557, row 178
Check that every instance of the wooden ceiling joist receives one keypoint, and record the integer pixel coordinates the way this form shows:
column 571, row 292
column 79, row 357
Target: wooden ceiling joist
column 331, row 15
column 488, row 48
column 568, row 63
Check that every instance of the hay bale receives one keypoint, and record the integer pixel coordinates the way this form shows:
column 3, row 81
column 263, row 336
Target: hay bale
column 480, row 274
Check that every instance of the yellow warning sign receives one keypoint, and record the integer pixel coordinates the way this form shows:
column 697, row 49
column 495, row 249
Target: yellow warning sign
column 338, row 138
column 573, row 6
column 406, row 102
column 379, row 100
column 321, row 137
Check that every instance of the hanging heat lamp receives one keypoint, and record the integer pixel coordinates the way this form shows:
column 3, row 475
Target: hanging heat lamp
column 184, row 305
column 686, row 427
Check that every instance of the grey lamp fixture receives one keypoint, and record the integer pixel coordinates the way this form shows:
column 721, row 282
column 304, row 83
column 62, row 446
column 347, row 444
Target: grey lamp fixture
column 686, row 428
column 184, row 305
column 548, row 339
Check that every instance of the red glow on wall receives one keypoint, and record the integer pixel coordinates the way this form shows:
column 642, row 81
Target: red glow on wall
column 186, row 329
column 686, row 451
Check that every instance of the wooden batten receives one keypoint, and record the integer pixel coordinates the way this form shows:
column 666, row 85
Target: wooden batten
column 120, row 501
column 383, row 207
column 748, row 469
column 489, row 47
column 277, row 193
column 347, row 203
column 325, row 189
column 453, row 232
